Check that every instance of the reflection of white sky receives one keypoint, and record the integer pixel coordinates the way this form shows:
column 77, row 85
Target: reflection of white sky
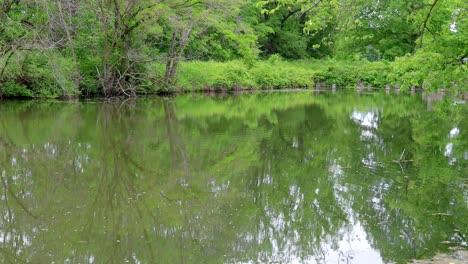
column 449, row 148
column 295, row 143
column 353, row 247
column 448, row 152
column 349, row 245
column 453, row 27
column 217, row 189
column 368, row 121
column 454, row 132
column 12, row 236
column 370, row 161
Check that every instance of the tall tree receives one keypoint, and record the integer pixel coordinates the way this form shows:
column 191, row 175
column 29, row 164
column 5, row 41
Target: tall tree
column 120, row 22
column 190, row 19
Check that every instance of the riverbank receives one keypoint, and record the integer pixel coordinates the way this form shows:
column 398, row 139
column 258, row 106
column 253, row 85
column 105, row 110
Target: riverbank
column 404, row 74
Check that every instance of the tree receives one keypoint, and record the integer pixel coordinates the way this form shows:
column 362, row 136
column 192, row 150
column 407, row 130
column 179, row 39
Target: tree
column 299, row 29
column 120, row 24
column 190, row 19
column 379, row 30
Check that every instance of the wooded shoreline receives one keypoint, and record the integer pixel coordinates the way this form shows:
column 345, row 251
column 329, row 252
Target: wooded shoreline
column 279, row 74
column 70, row 48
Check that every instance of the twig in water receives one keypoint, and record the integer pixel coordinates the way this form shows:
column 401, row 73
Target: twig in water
column 401, row 160
column 403, row 153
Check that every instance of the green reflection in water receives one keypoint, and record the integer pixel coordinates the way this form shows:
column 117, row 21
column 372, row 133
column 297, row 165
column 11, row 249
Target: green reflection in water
column 287, row 178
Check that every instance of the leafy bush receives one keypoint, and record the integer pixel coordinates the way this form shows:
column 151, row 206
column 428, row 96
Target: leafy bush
column 234, row 76
column 298, row 77
column 422, row 69
column 268, row 77
column 339, row 75
column 12, row 89
column 373, row 73
column 279, row 74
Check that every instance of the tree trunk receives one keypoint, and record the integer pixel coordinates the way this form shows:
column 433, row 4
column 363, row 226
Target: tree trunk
column 171, row 62
column 179, row 41
column 66, row 26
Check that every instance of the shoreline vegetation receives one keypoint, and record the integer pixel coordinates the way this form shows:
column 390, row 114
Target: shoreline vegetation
column 276, row 74
column 97, row 48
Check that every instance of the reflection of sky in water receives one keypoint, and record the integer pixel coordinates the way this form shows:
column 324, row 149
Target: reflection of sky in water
column 454, row 132
column 349, row 244
column 368, row 121
column 339, row 232
column 14, row 237
column 352, row 248
column 449, row 148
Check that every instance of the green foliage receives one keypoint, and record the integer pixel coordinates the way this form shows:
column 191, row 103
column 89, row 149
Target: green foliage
column 335, row 75
column 378, row 30
column 13, row 89
column 38, row 74
column 277, row 73
column 373, row 73
column 269, row 77
column 426, row 70
column 280, row 75
column 234, row 77
column 99, row 47
column 272, row 74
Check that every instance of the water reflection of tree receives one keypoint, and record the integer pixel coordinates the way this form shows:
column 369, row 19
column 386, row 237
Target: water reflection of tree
column 24, row 193
column 404, row 204
column 137, row 182
column 297, row 211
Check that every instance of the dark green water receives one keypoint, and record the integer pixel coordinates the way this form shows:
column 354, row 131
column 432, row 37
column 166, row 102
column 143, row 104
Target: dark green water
column 264, row 178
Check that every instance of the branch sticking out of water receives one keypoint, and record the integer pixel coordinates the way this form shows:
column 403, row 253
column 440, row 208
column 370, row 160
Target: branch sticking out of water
column 401, row 160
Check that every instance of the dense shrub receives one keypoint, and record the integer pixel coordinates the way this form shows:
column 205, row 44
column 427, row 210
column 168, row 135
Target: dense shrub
column 234, row 76
column 419, row 70
column 45, row 74
column 11, row 88
column 373, row 73
column 430, row 71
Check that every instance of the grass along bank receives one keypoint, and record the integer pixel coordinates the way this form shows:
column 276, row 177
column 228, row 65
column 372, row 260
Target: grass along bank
column 406, row 73
column 420, row 71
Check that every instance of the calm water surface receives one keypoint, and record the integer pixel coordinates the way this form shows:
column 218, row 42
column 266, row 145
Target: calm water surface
column 263, row 178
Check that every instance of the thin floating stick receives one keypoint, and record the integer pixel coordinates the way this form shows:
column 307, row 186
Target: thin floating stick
column 401, row 158
column 403, row 153
column 442, row 214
